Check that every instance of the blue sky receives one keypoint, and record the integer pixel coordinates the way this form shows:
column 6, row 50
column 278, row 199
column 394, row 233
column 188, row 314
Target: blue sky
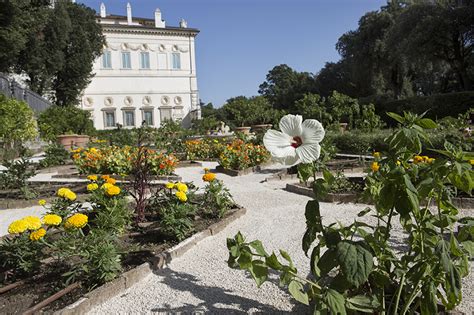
column 241, row 40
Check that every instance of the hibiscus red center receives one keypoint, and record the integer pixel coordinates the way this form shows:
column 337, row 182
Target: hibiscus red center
column 296, row 142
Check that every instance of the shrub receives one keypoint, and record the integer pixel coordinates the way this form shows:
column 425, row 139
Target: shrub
column 356, row 142
column 204, row 149
column 17, row 174
column 55, row 154
column 57, row 120
column 437, row 106
column 217, row 198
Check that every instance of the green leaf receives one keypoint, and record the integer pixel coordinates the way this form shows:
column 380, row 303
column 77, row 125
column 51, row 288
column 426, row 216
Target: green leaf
column 362, row 303
column 397, row 117
column 328, row 261
column 287, row 257
column 469, row 247
column 272, row 262
column 257, row 245
column 259, row 272
column 335, row 301
column 245, row 260
column 297, row 291
column 428, row 300
column 364, row 212
column 356, row 262
column 426, row 123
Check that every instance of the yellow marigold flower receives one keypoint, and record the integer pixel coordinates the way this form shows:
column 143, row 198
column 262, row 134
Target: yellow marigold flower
column 425, row 158
column 92, row 178
column 77, row 221
column 42, row 202
column 112, row 191
column 471, row 162
column 52, row 219
column 376, row 155
column 209, row 177
column 62, row 191
column 182, row 187
column 105, row 186
column 170, row 185
column 418, row 159
column 93, row 150
column 375, row 166
column 105, row 177
column 92, row 187
column 32, row 222
column 18, row 226
column 430, row 160
column 111, row 180
column 181, row 196
column 37, row 235
column 70, row 195
column 398, row 163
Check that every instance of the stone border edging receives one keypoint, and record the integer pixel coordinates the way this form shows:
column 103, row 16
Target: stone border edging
column 460, row 202
column 133, row 276
column 245, row 171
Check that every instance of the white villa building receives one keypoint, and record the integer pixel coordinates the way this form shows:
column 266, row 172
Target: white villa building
column 147, row 72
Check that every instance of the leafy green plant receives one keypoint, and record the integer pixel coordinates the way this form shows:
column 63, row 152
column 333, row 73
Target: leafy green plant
column 176, row 220
column 17, row 174
column 355, row 268
column 55, row 154
column 217, row 197
column 21, row 254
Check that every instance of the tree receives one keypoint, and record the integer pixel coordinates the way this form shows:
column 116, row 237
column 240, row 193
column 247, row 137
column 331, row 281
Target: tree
column 17, row 122
column 336, row 77
column 242, row 111
column 312, row 106
column 284, row 86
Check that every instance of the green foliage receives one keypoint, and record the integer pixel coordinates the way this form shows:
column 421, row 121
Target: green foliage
column 242, row 111
column 17, row 122
column 217, row 199
column 313, row 106
column 170, row 137
column 355, row 267
column 54, row 47
column 55, row 154
column 111, row 215
column 21, row 254
column 57, row 120
column 341, row 184
column 356, row 142
column 17, row 174
column 176, row 220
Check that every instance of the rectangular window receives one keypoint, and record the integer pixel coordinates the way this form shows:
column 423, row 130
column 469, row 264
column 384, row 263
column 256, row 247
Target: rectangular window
column 126, row 60
column 148, row 117
column 109, row 119
column 144, row 60
column 107, row 60
column 176, row 61
column 129, row 118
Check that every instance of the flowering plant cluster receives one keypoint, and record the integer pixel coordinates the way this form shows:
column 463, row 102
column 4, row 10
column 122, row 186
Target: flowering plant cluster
column 356, row 268
column 120, row 160
column 240, row 155
column 204, row 149
column 217, row 198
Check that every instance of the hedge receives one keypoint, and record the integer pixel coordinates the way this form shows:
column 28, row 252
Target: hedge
column 438, row 106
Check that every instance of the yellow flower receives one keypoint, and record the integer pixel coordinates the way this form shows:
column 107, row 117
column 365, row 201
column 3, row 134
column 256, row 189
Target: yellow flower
column 106, row 186
column 105, row 177
column 209, row 177
column 92, row 187
column 42, row 202
column 182, row 187
column 93, row 150
column 18, row 226
column 37, row 235
column 418, row 159
column 92, row 178
column 77, row 221
column 471, row 162
column 206, row 169
column 52, row 220
column 398, row 163
column 375, row 166
column 66, row 193
column 181, row 196
column 111, row 180
column 112, row 191
column 376, row 155
column 430, row 160
column 62, row 191
column 32, row 222
column 170, row 185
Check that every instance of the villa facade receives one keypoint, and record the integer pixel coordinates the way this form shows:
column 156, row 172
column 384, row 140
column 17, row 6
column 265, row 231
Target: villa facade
column 147, row 72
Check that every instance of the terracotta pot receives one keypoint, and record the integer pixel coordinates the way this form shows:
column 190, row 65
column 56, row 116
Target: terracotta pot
column 70, row 142
column 262, row 127
column 244, row 130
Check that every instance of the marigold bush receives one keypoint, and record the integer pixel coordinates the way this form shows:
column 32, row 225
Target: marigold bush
column 204, row 149
column 239, row 155
column 120, row 160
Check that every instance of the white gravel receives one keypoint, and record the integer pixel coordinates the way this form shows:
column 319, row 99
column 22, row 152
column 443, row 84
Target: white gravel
column 10, row 215
column 200, row 280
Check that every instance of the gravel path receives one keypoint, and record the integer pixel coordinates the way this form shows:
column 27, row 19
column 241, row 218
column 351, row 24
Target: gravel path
column 200, row 280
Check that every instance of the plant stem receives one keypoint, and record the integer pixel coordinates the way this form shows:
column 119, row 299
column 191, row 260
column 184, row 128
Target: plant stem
column 399, row 293
column 305, row 280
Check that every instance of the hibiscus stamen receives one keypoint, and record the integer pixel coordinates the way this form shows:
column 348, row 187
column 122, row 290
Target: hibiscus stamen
column 296, row 142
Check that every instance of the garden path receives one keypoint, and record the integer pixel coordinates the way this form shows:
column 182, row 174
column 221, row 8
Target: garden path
column 200, row 280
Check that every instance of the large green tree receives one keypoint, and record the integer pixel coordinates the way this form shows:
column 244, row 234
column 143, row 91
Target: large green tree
column 55, row 47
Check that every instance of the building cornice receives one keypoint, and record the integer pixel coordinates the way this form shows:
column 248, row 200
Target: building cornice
column 130, row 29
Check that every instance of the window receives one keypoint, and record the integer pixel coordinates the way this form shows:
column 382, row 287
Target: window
column 126, row 61
column 129, row 118
column 144, row 60
column 162, row 61
column 176, row 61
column 107, row 60
column 109, row 119
column 148, row 117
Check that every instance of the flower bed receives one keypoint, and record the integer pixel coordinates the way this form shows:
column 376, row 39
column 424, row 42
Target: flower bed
column 239, row 155
column 77, row 247
column 204, row 149
column 120, row 160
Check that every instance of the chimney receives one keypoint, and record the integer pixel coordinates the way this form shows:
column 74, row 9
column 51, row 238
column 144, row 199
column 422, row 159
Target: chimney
column 102, row 10
column 158, row 21
column 129, row 14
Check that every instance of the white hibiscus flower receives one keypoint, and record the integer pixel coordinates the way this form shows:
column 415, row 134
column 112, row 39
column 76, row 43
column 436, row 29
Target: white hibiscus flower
column 298, row 141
